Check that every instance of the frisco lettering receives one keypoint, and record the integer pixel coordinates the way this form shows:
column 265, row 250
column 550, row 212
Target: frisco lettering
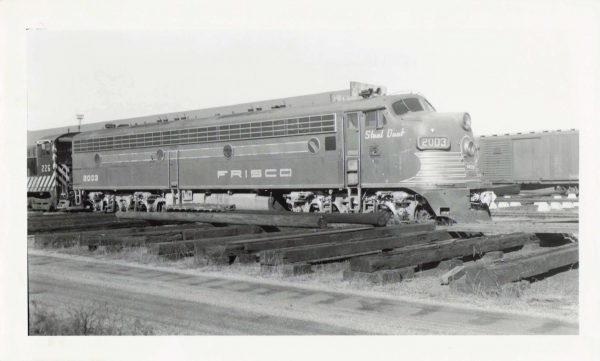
column 255, row 173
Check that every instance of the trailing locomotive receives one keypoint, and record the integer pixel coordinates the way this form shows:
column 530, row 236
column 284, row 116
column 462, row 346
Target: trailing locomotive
column 360, row 151
column 49, row 171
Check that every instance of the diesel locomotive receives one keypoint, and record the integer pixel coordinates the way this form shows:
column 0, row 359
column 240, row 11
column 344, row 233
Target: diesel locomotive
column 355, row 151
column 49, row 171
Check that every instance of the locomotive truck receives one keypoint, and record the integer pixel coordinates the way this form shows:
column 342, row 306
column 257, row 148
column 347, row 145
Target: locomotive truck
column 358, row 150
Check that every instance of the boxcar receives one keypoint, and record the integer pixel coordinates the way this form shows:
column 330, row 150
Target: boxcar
column 548, row 158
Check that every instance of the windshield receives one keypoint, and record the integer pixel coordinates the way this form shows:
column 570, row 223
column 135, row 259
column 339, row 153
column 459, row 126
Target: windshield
column 44, row 149
column 404, row 106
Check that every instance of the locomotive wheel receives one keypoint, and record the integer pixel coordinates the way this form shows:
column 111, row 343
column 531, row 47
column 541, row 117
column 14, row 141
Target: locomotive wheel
column 382, row 208
column 391, row 219
column 422, row 215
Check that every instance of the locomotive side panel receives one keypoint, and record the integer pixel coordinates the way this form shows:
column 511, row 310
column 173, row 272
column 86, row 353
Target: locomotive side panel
column 299, row 161
column 388, row 150
column 120, row 170
column 308, row 162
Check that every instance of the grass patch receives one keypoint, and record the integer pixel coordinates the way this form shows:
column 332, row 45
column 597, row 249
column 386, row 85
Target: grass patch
column 95, row 319
column 556, row 295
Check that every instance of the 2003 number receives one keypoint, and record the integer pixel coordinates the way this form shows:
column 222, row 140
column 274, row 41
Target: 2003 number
column 90, row 177
column 433, row 143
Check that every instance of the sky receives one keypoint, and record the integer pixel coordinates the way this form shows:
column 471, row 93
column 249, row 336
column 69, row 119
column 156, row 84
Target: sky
column 517, row 68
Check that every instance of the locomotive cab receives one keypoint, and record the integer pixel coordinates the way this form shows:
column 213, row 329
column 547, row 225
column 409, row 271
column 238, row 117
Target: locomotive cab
column 432, row 154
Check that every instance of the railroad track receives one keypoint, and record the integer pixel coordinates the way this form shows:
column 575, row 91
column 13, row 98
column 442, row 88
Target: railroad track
column 378, row 254
column 179, row 301
column 533, row 205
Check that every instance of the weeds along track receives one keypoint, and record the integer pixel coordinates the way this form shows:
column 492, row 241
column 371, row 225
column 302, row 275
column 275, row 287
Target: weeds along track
column 487, row 254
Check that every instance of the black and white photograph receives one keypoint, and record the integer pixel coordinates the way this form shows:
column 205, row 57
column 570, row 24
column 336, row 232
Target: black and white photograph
column 336, row 168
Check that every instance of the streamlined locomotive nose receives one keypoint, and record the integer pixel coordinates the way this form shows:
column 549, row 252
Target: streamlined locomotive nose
column 444, row 132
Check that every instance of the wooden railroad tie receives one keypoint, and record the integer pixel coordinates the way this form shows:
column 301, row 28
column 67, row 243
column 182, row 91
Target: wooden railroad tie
column 377, row 219
column 346, row 249
column 140, row 238
column 283, row 219
column 491, row 276
column 446, row 249
column 331, row 236
column 195, row 240
column 180, row 235
column 52, row 224
column 246, row 246
column 226, row 246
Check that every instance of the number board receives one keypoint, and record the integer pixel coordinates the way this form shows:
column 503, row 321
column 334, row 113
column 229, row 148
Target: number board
column 45, row 169
column 433, row 143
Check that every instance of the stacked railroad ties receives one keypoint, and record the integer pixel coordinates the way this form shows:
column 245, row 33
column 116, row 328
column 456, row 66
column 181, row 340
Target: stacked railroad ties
column 293, row 243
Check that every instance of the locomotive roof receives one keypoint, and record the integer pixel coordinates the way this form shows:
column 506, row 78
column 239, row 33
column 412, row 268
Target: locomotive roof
column 270, row 114
column 296, row 101
column 55, row 137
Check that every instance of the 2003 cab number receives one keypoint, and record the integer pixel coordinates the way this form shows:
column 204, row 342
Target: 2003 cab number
column 90, row 177
column 433, row 143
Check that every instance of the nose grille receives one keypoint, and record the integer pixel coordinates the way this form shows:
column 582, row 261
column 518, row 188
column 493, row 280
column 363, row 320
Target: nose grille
column 440, row 167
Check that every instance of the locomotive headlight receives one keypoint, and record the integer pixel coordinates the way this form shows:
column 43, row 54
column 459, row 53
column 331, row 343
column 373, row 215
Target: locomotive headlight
column 466, row 122
column 468, row 147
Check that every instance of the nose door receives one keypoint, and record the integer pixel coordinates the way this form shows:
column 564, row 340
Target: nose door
column 174, row 168
column 352, row 132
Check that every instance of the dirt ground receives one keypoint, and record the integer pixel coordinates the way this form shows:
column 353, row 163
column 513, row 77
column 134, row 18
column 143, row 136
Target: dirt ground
column 555, row 296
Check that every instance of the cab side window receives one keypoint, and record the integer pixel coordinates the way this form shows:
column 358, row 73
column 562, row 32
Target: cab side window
column 44, row 149
column 352, row 121
column 375, row 119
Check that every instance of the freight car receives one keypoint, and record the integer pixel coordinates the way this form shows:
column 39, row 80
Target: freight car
column 531, row 160
column 358, row 151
